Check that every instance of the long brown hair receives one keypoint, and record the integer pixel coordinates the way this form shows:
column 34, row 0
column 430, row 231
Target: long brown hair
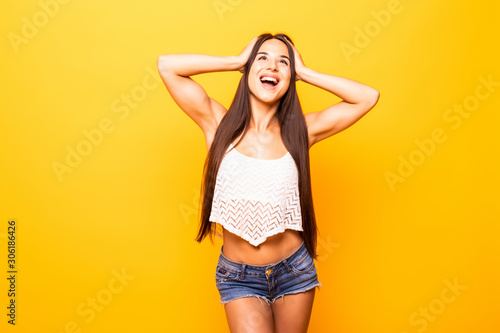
column 293, row 133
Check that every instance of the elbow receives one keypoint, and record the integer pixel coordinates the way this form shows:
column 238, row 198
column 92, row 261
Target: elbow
column 369, row 100
column 163, row 63
column 372, row 97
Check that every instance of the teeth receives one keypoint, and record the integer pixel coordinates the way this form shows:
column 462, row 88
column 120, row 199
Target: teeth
column 271, row 79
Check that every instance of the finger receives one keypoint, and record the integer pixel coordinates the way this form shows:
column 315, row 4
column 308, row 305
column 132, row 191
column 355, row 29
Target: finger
column 253, row 40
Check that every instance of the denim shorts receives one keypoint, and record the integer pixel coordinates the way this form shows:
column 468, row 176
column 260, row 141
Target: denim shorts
column 292, row 275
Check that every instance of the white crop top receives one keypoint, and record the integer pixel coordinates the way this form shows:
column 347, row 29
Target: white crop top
column 256, row 198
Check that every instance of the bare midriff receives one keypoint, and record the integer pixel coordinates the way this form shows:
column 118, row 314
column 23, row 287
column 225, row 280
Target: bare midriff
column 272, row 250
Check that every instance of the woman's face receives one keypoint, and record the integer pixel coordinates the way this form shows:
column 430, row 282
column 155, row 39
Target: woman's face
column 269, row 76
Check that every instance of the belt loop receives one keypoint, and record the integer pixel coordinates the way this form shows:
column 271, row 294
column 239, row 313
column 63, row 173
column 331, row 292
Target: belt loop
column 287, row 266
column 242, row 275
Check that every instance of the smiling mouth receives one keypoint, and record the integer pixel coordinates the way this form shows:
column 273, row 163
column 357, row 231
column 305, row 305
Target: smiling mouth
column 269, row 82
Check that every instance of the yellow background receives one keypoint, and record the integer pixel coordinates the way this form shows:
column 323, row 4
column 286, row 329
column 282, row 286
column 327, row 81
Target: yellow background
column 130, row 205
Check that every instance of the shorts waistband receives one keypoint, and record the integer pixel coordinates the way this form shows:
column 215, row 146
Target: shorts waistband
column 238, row 265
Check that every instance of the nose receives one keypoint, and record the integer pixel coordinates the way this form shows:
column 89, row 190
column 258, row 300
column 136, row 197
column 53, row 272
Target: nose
column 272, row 65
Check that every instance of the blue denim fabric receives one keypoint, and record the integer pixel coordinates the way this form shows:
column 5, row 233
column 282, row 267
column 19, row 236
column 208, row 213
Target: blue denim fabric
column 294, row 274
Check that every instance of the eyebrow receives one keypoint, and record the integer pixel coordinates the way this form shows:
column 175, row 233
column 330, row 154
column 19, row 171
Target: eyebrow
column 282, row 56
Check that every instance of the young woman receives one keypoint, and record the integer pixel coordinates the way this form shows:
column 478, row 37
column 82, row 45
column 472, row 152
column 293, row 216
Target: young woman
column 256, row 190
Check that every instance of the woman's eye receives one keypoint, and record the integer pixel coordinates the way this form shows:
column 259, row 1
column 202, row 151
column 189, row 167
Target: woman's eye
column 261, row 57
column 284, row 61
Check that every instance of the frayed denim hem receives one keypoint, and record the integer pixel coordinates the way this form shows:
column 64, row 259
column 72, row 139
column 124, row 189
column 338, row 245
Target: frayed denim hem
column 268, row 302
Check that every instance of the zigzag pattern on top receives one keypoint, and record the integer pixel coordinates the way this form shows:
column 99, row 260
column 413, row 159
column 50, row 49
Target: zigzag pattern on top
column 256, row 198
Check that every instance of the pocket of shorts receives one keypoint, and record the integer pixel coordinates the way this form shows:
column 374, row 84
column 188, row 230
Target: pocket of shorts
column 223, row 274
column 303, row 266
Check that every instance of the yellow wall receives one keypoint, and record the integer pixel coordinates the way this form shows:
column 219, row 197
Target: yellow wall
column 407, row 199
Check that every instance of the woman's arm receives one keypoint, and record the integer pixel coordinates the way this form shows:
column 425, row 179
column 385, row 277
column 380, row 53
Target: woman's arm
column 357, row 100
column 175, row 71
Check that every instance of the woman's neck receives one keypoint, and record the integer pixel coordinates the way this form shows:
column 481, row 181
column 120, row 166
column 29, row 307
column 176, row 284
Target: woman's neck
column 263, row 115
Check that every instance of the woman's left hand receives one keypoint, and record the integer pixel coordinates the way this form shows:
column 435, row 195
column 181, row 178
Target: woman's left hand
column 299, row 63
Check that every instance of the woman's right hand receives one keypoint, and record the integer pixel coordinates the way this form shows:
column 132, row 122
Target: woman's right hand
column 245, row 54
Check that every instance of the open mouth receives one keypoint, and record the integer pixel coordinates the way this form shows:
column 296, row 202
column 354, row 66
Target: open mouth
column 269, row 82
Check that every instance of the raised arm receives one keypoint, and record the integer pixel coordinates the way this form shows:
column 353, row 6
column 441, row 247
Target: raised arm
column 357, row 100
column 175, row 71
